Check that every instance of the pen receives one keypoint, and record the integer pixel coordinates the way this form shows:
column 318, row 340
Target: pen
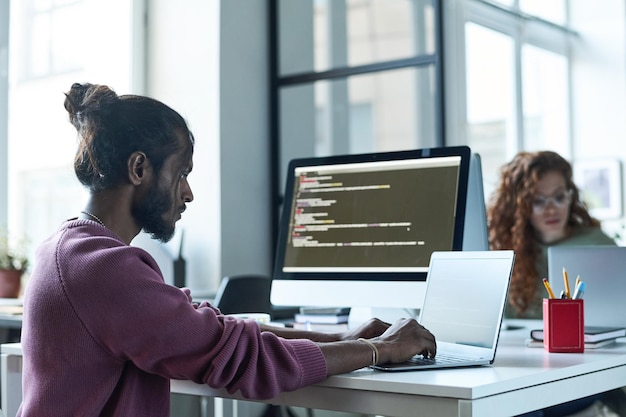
column 548, row 288
column 580, row 290
column 566, row 282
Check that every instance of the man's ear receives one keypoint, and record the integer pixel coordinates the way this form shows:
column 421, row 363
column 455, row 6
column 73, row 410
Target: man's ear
column 138, row 167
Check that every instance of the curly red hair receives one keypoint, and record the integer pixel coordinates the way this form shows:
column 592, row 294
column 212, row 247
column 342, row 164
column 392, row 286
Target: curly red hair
column 509, row 211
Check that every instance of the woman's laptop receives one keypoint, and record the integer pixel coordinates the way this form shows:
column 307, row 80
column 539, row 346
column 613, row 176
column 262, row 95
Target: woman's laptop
column 463, row 307
column 603, row 269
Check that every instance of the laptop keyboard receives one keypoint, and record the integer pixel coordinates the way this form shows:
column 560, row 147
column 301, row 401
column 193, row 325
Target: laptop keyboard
column 439, row 359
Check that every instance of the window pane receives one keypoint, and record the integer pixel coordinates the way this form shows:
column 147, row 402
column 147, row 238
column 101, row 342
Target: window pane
column 65, row 2
column 48, row 30
column 378, row 112
column 66, row 22
column 41, row 5
column 509, row 3
column 38, row 59
column 545, row 99
column 325, row 34
column 554, row 10
column 490, row 96
column 42, row 186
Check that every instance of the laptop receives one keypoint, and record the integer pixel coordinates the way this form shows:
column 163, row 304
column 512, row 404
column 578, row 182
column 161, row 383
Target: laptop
column 603, row 269
column 466, row 293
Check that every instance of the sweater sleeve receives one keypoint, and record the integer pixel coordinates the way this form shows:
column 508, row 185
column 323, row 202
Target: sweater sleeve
column 119, row 295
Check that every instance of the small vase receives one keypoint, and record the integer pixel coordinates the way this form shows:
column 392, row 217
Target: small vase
column 10, row 283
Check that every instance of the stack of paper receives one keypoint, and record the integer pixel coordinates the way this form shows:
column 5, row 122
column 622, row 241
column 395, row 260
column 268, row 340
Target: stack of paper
column 322, row 318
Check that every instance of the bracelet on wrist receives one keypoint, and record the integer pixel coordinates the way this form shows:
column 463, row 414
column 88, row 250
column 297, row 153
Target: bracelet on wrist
column 374, row 350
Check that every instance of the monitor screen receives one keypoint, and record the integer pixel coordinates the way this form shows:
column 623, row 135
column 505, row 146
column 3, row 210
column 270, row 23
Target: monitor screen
column 369, row 218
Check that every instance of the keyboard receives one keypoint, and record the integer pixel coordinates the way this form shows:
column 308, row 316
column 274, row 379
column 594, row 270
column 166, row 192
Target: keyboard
column 439, row 359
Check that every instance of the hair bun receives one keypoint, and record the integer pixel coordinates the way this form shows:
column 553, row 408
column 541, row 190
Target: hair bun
column 85, row 102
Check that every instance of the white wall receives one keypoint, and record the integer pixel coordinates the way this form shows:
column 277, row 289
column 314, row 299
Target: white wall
column 599, row 85
column 207, row 60
column 245, row 153
column 599, row 79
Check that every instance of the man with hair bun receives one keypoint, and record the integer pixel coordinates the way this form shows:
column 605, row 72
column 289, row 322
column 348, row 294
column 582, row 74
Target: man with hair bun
column 103, row 334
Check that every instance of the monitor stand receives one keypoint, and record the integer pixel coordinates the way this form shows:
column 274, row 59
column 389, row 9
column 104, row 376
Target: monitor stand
column 359, row 315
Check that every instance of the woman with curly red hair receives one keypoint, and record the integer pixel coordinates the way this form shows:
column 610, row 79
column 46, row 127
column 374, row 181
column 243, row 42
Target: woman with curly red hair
column 537, row 205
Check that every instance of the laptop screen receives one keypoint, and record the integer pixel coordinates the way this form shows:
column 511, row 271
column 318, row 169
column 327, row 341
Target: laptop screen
column 603, row 269
column 466, row 296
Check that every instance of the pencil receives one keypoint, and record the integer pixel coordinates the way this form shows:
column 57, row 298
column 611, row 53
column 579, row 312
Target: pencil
column 566, row 282
column 548, row 288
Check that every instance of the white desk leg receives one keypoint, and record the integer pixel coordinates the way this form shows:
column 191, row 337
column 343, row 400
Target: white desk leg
column 225, row 407
column 204, row 407
column 11, row 383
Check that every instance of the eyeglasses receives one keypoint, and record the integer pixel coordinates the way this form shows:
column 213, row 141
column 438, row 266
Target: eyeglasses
column 558, row 200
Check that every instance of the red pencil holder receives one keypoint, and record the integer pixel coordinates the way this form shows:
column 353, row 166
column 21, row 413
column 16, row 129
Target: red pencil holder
column 563, row 325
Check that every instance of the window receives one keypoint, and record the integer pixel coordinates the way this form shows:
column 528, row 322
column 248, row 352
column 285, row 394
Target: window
column 354, row 76
column 513, row 61
column 52, row 44
column 51, row 26
column 490, row 72
column 372, row 112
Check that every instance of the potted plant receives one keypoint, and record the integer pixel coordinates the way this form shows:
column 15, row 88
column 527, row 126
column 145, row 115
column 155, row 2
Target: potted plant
column 13, row 263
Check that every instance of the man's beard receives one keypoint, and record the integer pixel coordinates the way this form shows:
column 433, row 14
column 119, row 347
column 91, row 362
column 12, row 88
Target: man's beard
column 149, row 212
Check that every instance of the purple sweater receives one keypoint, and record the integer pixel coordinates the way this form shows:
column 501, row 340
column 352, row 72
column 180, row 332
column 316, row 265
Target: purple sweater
column 103, row 334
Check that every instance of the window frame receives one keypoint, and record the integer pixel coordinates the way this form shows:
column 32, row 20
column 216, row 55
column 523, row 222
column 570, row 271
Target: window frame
column 523, row 30
column 278, row 81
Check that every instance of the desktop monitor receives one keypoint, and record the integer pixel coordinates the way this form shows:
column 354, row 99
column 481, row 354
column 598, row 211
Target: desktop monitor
column 358, row 230
column 475, row 234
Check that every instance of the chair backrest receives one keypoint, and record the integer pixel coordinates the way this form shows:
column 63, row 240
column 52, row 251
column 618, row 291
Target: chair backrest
column 244, row 294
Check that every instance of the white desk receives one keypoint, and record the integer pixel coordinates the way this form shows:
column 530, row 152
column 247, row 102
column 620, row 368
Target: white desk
column 11, row 321
column 522, row 379
column 11, row 313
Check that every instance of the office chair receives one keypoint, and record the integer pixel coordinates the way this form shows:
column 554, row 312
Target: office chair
column 244, row 294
